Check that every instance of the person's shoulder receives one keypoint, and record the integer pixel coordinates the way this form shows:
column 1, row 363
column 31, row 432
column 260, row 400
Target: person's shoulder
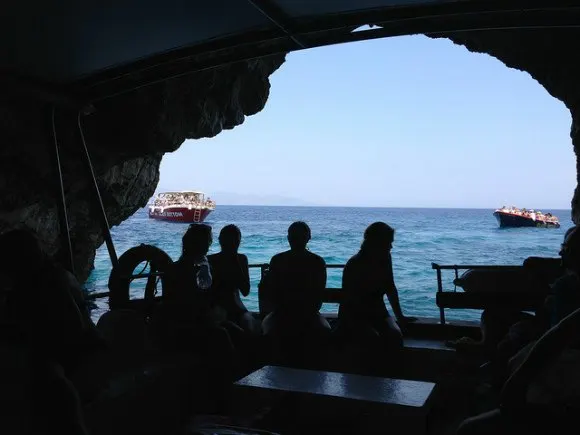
column 315, row 258
column 281, row 256
column 355, row 260
column 214, row 258
column 63, row 278
column 243, row 257
column 177, row 267
column 567, row 279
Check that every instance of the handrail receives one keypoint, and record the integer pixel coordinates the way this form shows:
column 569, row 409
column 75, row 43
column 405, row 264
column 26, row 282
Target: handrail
column 328, row 266
column 261, row 266
column 456, row 268
column 264, row 266
column 436, row 266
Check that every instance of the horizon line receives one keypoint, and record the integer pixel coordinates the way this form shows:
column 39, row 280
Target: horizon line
column 381, row 206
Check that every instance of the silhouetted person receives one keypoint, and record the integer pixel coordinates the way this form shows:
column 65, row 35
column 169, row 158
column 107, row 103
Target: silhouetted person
column 539, row 362
column 296, row 279
column 367, row 277
column 185, row 315
column 231, row 277
column 549, row 277
column 544, row 273
column 47, row 327
column 565, row 291
column 189, row 280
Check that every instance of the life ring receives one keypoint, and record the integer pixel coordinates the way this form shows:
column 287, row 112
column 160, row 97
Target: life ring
column 121, row 275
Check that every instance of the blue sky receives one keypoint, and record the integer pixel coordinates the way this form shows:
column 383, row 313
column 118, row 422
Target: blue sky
column 397, row 122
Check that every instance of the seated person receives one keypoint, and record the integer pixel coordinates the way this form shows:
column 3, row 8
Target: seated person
column 565, row 293
column 43, row 325
column 184, row 320
column 529, row 404
column 190, row 276
column 47, row 305
column 507, row 329
column 367, row 277
column 296, row 281
column 186, row 302
column 230, row 278
column 563, row 298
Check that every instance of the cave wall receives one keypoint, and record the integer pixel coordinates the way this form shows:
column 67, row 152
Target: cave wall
column 127, row 137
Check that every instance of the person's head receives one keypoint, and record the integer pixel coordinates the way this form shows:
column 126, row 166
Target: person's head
column 298, row 235
column 378, row 239
column 570, row 251
column 230, row 238
column 196, row 241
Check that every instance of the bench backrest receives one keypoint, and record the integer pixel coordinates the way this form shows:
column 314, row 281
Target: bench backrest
column 265, row 304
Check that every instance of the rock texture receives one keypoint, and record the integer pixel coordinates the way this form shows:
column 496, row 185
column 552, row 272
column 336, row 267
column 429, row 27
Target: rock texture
column 548, row 56
column 127, row 137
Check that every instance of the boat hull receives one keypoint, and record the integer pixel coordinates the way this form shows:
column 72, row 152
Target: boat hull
column 508, row 220
column 180, row 214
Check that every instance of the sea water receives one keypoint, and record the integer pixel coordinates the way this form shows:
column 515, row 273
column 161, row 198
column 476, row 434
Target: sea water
column 422, row 237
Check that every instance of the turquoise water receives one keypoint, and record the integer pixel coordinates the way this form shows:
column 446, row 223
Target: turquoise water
column 423, row 236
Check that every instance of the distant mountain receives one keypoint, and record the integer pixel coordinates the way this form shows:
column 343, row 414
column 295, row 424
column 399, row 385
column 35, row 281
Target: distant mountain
column 232, row 198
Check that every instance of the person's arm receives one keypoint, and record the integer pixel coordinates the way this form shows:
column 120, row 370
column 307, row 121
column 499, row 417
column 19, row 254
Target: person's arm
column 204, row 275
column 244, row 284
column 391, row 291
column 320, row 284
column 393, row 295
column 547, row 349
column 272, row 284
column 349, row 287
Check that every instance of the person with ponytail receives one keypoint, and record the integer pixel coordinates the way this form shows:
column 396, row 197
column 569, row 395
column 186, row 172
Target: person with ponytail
column 367, row 278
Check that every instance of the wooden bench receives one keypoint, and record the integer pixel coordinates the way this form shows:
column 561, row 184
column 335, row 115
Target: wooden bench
column 384, row 404
column 516, row 300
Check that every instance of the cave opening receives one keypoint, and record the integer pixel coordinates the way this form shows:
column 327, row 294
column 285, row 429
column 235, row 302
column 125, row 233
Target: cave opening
column 492, row 121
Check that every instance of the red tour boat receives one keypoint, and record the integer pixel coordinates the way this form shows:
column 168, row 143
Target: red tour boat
column 187, row 207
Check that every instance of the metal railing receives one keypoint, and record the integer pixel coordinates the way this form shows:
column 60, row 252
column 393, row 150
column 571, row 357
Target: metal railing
column 262, row 266
column 332, row 295
column 457, row 267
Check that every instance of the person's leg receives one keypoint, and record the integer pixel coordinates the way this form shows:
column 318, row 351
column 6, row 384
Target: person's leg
column 320, row 327
column 221, row 363
column 57, row 405
column 390, row 333
column 249, row 324
column 252, row 349
column 484, row 424
column 495, row 324
column 359, row 334
column 531, row 420
column 270, row 324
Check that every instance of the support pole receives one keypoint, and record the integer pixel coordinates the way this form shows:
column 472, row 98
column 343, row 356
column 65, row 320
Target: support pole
column 99, row 200
column 54, row 153
column 440, row 289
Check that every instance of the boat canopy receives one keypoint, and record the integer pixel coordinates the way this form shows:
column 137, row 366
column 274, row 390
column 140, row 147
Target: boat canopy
column 79, row 52
column 182, row 192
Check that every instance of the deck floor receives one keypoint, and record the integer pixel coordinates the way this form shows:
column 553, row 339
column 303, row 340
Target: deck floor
column 459, row 394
